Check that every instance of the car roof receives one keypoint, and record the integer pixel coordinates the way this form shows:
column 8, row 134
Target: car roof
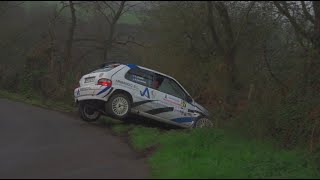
column 145, row 68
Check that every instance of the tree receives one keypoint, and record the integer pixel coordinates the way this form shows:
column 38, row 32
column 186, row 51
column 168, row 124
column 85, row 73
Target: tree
column 304, row 16
column 111, row 12
column 227, row 46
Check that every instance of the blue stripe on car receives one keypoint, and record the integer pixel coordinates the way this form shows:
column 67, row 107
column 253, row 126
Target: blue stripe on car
column 104, row 90
column 183, row 119
column 131, row 65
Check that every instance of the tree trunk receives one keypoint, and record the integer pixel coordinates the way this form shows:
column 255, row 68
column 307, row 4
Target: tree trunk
column 231, row 79
column 68, row 49
column 316, row 8
column 108, row 43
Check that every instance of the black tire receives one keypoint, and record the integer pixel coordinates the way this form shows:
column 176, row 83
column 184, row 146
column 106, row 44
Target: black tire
column 87, row 113
column 112, row 107
column 203, row 122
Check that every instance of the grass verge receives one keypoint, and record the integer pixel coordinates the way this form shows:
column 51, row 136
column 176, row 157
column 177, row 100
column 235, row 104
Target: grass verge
column 38, row 101
column 208, row 153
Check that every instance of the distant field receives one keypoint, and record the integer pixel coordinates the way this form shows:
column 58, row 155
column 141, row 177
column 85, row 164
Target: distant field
column 129, row 18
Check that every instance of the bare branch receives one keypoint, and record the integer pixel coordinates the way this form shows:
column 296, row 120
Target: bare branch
column 104, row 15
column 85, row 54
column 129, row 7
column 86, row 39
column 226, row 22
column 284, row 10
column 111, row 8
column 130, row 39
column 306, row 13
column 6, row 6
column 92, row 46
column 244, row 23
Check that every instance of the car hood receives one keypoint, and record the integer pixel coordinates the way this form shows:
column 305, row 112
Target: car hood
column 201, row 109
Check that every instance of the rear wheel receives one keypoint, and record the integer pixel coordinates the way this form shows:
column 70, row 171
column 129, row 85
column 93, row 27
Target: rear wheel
column 87, row 113
column 118, row 106
column 203, row 123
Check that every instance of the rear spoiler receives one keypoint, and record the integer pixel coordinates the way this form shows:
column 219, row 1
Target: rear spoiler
column 108, row 64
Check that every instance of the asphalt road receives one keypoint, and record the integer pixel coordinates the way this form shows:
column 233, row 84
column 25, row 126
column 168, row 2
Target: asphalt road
column 39, row 143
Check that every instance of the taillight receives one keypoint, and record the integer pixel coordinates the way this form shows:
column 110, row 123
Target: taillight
column 105, row 82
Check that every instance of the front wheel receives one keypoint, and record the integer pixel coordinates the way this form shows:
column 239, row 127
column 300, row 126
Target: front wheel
column 118, row 106
column 203, row 123
column 87, row 113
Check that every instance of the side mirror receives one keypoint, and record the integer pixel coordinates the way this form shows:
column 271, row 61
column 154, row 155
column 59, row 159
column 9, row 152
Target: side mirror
column 189, row 99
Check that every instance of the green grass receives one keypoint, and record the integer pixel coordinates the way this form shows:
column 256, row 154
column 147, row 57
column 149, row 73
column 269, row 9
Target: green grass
column 207, row 153
column 122, row 128
column 143, row 137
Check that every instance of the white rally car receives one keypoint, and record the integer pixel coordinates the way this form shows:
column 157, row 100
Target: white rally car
column 117, row 89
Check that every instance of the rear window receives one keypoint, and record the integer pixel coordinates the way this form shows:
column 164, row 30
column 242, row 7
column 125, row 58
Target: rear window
column 102, row 70
column 140, row 76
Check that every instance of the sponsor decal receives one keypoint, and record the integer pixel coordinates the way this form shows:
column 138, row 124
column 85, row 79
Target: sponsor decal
column 145, row 93
column 85, row 89
column 139, row 79
column 78, row 92
column 153, row 94
column 172, row 100
column 183, row 104
column 132, row 86
column 101, row 74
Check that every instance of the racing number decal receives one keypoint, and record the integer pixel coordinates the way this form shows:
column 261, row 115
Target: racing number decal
column 145, row 93
column 183, row 104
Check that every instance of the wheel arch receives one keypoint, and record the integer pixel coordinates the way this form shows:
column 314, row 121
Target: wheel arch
column 121, row 91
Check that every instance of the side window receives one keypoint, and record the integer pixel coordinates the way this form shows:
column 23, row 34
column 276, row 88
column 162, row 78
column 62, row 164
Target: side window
column 169, row 86
column 140, row 76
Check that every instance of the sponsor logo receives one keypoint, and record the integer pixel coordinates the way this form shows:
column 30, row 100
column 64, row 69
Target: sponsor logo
column 139, row 79
column 182, row 112
column 145, row 93
column 101, row 74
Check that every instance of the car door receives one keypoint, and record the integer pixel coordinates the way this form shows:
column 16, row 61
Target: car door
column 170, row 100
column 142, row 80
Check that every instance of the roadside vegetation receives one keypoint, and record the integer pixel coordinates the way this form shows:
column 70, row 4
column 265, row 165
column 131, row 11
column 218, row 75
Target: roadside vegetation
column 253, row 64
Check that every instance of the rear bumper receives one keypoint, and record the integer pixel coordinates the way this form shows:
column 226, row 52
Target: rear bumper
column 88, row 97
column 86, row 93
